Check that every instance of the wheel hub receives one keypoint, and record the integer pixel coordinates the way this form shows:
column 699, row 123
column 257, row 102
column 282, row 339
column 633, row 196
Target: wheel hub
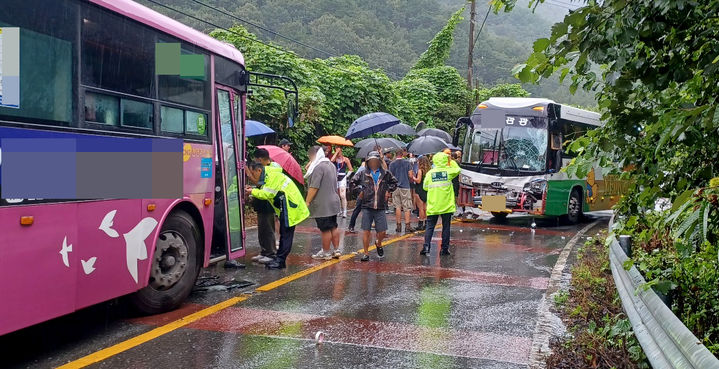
column 573, row 206
column 170, row 260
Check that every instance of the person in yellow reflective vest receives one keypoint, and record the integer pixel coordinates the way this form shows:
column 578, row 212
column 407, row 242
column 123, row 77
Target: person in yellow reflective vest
column 440, row 199
column 277, row 188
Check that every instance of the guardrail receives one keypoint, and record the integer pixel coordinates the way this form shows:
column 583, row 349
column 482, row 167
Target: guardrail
column 666, row 341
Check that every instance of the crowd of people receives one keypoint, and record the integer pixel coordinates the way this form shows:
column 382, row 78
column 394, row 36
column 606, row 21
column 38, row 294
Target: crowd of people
column 424, row 185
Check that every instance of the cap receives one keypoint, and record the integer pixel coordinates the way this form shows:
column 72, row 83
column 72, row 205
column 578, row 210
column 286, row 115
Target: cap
column 373, row 155
column 285, row 141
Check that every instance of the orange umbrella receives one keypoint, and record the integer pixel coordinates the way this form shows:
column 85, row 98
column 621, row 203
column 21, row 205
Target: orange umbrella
column 335, row 140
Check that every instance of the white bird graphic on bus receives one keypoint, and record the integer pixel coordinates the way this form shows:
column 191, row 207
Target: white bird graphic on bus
column 135, row 247
column 135, row 244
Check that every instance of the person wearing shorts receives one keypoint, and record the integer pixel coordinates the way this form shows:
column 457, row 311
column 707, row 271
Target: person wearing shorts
column 401, row 169
column 323, row 201
column 376, row 184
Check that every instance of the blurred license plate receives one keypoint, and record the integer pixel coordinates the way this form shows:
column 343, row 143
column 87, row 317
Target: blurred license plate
column 494, row 203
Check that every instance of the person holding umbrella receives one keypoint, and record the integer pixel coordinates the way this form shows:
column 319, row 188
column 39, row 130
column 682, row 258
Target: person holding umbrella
column 285, row 144
column 376, row 184
column 440, row 199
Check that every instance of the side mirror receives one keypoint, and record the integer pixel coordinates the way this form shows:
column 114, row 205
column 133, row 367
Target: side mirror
column 556, row 141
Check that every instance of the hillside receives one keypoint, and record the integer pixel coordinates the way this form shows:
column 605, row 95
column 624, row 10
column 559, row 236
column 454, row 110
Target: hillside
column 391, row 34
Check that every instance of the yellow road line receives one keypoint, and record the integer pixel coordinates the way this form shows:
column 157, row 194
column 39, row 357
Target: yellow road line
column 169, row 327
column 147, row 336
column 302, row 273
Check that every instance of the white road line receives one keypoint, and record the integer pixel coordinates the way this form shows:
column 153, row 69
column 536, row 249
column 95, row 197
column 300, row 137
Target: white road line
column 543, row 329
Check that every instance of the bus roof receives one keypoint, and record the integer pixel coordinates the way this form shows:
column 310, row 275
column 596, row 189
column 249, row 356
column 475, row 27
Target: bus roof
column 168, row 25
column 565, row 111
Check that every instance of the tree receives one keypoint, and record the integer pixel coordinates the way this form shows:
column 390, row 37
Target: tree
column 438, row 52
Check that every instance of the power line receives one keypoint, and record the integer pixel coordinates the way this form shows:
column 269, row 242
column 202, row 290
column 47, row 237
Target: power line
column 560, row 5
column 242, row 36
column 263, row 28
column 480, row 29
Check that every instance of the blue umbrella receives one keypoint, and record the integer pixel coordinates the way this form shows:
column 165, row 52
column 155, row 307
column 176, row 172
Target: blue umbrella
column 255, row 128
column 369, row 124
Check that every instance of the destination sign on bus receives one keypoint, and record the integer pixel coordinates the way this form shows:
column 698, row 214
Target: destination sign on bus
column 519, row 121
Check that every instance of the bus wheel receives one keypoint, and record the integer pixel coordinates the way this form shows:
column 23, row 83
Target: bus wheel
column 499, row 216
column 175, row 265
column 574, row 208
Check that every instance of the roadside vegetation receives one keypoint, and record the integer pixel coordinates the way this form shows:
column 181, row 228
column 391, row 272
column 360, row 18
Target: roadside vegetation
column 599, row 335
column 676, row 251
column 653, row 67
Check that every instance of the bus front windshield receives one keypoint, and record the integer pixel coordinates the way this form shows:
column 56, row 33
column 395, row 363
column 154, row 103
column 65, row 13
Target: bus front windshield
column 512, row 147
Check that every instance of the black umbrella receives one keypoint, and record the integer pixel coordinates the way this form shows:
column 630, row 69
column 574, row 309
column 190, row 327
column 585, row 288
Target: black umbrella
column 446, row 137
column 370, row 144
column 381, row 141
column 426, row 145
column 371, row 123
column 400, row 129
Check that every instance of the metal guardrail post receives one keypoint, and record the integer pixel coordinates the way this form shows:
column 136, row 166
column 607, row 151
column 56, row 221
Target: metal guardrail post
column 666, row 341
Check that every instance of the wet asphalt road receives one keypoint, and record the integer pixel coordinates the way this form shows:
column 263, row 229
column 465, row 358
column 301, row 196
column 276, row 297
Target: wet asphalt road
column 476, row 308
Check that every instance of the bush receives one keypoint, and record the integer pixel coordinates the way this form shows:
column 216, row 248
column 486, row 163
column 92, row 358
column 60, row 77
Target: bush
column 676, row 251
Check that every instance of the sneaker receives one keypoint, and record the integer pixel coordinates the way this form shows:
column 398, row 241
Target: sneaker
column 344, row 215
column 399, row 228
column 275, row 265
column 351, row 230
column 265, row 260
column 365, row 257
column 336, row 254
column 409, row 229
column 444, row 252
column 380, row 251
column 322, row 256
column 257, row 257
column 425, row 250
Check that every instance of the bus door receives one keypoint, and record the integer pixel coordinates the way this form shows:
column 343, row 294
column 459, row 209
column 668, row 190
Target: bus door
column 227, row 237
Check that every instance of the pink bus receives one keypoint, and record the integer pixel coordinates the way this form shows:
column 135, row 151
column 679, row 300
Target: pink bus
column 87, row 68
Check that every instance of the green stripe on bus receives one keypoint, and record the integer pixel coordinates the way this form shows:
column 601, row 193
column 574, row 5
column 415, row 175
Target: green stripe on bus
column 558, row 195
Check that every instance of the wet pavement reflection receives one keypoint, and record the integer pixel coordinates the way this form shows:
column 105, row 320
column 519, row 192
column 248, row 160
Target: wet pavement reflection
column 475, row 308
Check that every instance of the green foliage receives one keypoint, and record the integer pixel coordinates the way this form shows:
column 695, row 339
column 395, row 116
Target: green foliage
column 653, row 66
column 656, row 87
column 438, row 51
column 501, row 90
column 333, row 92
column 677, row 254
column 437, row 96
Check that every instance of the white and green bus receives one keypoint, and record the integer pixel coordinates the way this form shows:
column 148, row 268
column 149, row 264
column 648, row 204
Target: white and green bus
column 513, row 153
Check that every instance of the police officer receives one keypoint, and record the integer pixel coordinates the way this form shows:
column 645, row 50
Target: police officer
column 277, row 188
column 440, row 199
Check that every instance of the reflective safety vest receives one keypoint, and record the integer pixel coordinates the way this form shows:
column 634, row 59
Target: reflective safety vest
column 438, row 184
column 293, row 210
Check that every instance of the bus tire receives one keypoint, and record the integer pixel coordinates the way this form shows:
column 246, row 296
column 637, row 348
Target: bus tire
column 176, row 263
column 574, row 207
column 499, row 216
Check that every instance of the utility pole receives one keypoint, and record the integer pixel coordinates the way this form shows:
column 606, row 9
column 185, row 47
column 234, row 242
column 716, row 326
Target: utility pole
column 472, row 13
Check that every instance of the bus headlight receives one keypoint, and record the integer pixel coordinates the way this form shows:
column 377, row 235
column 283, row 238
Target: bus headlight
column 465, row 180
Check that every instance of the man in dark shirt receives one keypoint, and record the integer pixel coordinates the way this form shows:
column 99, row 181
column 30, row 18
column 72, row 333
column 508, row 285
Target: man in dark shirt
column 402, row 198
